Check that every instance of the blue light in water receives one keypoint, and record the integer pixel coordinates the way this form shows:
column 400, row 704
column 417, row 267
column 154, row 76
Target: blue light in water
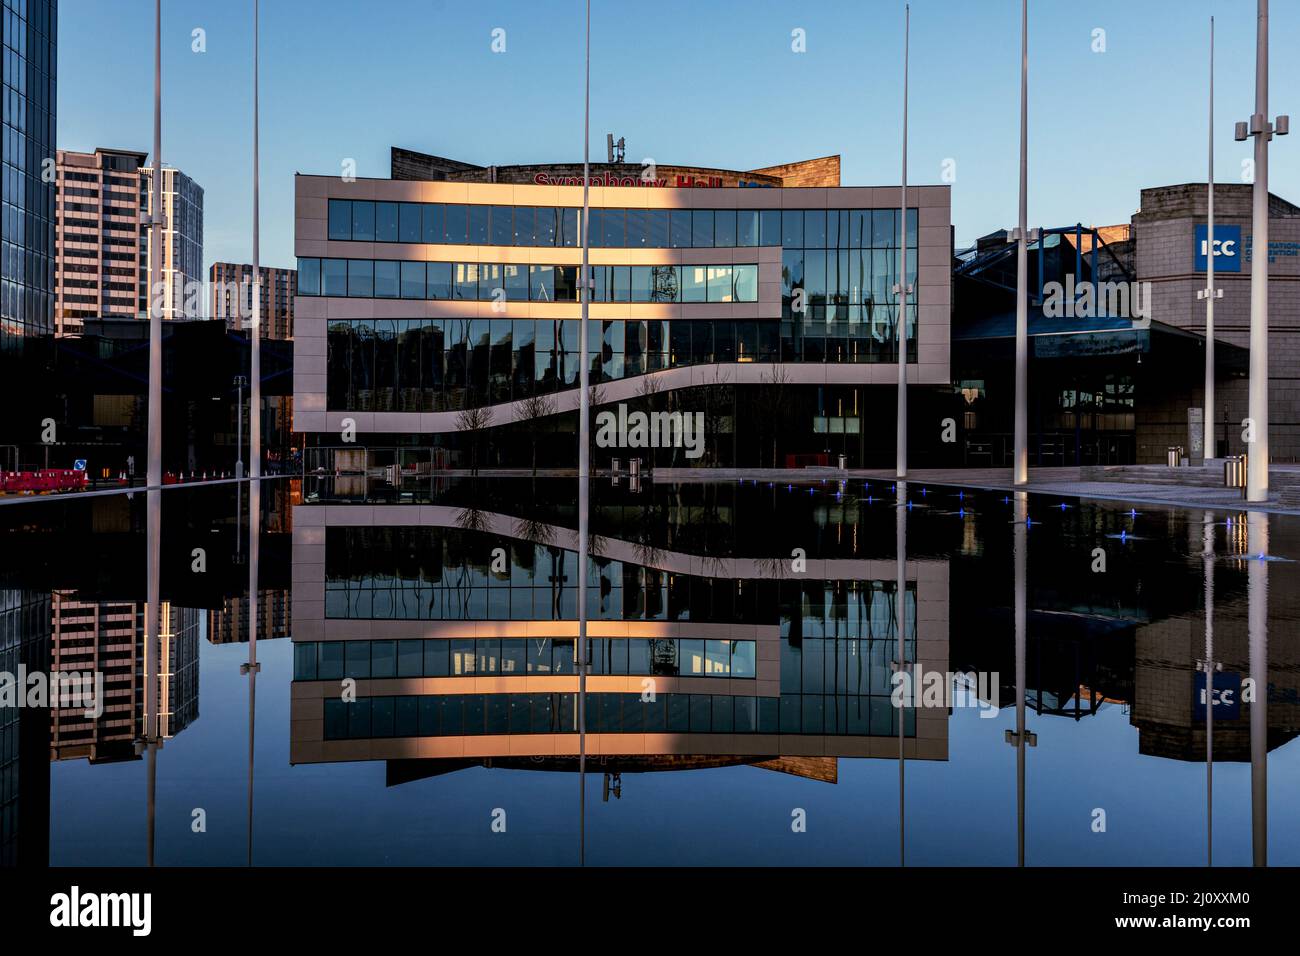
column 1062, row 505
column 1006, row 501
column 1133, row 513
column 961, row 512
column 1029, row 522
column 925, row 491
column 1123, row 535
column 961, row 496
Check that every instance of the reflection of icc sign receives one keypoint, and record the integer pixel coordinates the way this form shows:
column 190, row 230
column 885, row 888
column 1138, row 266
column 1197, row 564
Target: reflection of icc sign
column 1227, row 248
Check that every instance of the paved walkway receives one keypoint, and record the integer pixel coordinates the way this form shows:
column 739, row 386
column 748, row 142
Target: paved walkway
column 1060, row 481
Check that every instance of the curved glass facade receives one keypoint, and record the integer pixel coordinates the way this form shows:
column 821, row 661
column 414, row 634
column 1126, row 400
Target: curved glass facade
column 473, row 225
column 433, row 365
column 521, row 282
column 471, row 715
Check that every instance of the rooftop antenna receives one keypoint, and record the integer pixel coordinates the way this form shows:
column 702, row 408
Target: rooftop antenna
column 615, row 150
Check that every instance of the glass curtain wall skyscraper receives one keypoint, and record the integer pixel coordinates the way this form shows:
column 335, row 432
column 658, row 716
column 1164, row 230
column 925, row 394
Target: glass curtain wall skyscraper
column 27, row 37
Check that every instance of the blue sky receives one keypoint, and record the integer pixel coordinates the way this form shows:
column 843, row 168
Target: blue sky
column 710, row 83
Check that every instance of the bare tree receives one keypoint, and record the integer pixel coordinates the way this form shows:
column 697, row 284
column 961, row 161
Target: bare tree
column 716, row 400
column 531, row 411
column 771, row 402
column 474, row 422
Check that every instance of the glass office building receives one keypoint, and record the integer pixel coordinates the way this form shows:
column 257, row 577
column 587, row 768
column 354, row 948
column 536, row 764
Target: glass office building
column 27, row 35
column 770, row 311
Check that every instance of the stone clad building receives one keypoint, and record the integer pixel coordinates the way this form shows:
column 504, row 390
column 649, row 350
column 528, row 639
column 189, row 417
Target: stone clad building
column 1168, row 231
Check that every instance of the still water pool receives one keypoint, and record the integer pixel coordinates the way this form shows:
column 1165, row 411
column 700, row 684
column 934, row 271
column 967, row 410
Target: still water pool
column 418, row 698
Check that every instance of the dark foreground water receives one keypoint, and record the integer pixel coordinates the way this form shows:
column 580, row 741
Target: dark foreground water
column 763, row 618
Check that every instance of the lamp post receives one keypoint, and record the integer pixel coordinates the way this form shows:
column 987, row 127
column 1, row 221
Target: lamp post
column 1259, row 127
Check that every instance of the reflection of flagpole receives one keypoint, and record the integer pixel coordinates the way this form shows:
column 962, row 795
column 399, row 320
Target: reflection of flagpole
column 254, row 442
column 153, row 496
column 901, row 664
column 1020, row 737
column 902, row 288
column 1257, row 629
column 1209, row 666
column 584, row 463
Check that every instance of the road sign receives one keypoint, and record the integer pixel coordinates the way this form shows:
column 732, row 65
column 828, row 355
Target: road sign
column 79, row 464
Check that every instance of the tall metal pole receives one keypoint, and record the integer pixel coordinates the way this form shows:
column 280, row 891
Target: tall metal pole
column 255, row 379
column 239, row 426
column 1257, row 454
column 1021, row 737
column 254, row 441
column 902, row 288
column 1210, row 668
column 1208, row 416
column 1257, row 641
column 902, row 665
column 153, row 494
column 584, row 457
column 1021, row 452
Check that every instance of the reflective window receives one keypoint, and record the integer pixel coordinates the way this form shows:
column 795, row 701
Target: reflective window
column 702, row 228
column 724, row 227
column 747, row 227
column 334, row 277
column 456, row 225
column 363, row 221
column 385, row 222
column 361, row 278
column 387, row 281
column 479, row 225
column 309, row 277
column 432, row 226
column 413, row 280
column 340, row 219
column 410, row 226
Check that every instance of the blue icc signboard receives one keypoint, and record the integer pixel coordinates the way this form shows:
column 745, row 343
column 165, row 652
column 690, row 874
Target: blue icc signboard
column 1227, row 248
column 1227, row 695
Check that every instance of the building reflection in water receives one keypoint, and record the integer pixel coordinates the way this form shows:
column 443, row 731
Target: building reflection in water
column 458, row 627
column 711, row 644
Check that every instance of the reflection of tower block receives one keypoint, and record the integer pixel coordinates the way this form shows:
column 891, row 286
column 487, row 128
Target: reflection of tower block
column 613, row 787
column 663, row 656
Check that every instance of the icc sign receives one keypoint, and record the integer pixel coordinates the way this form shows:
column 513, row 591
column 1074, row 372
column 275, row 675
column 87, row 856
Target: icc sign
column 1227, row 248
